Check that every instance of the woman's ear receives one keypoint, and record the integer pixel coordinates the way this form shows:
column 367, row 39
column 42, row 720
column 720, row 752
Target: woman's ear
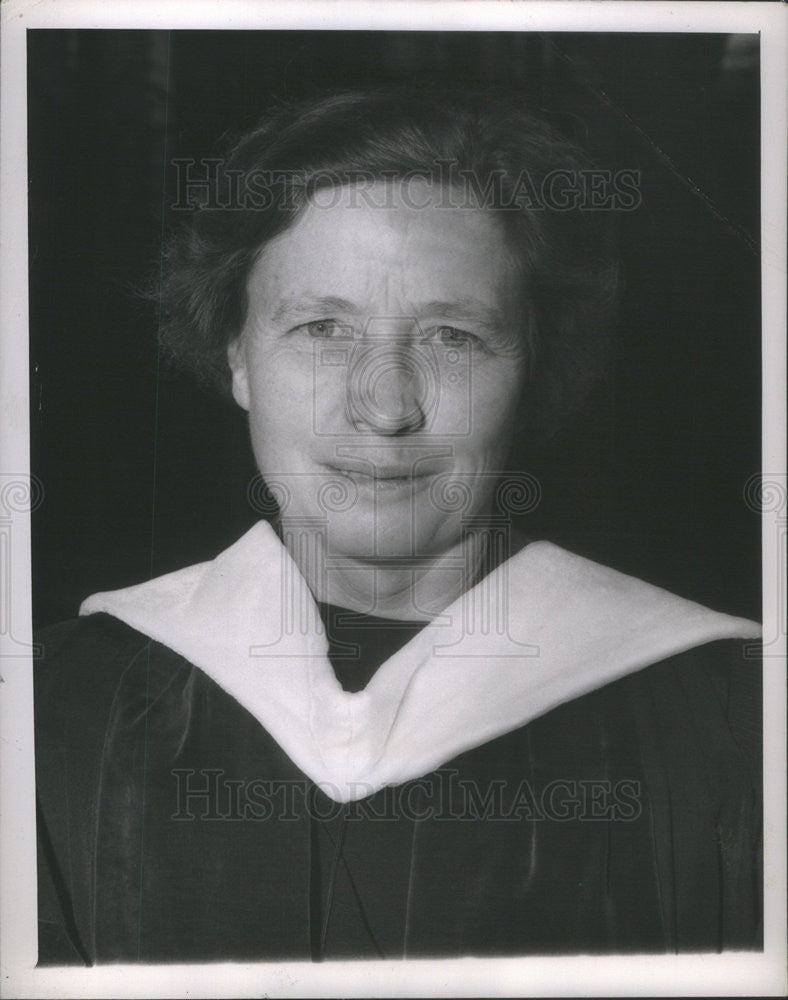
column 236, row 358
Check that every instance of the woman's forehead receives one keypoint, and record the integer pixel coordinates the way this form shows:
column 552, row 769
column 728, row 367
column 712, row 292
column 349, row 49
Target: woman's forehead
column 413, row 248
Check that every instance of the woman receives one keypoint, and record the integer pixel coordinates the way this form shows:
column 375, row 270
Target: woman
column 387, row 725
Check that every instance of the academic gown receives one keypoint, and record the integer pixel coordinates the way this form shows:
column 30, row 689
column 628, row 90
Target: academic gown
column 174, row 826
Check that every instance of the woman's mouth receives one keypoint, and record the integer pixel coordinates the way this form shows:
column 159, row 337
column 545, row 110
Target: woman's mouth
column 383, row 477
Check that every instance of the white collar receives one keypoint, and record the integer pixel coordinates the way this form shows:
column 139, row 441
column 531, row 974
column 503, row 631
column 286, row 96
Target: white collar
column 571, row 626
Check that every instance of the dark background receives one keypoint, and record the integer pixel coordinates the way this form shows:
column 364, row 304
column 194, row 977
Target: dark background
column 144, row 473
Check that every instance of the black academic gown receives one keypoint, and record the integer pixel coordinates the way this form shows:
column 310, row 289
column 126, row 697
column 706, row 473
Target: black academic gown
column 173, row 828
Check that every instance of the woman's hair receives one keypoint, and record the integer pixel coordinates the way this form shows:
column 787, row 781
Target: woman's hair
column 484, row 148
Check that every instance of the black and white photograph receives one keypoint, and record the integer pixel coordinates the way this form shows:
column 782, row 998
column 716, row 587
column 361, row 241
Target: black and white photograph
column 398, row 579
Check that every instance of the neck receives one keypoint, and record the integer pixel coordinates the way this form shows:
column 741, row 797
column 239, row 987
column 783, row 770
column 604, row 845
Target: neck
column 406, row 589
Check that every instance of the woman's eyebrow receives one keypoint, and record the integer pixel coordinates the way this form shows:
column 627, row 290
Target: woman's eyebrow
column 462, row 309
column 308, row 305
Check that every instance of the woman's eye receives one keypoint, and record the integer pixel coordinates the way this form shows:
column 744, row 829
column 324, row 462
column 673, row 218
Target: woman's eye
column 325, row 329
column 454, row 335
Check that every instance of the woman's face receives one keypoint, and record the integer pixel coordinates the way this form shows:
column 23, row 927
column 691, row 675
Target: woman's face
column 381, row 364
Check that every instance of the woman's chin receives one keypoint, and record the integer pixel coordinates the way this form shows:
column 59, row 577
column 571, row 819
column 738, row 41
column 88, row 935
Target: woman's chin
column 383, row 538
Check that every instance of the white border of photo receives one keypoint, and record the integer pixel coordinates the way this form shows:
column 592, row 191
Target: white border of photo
column 732, row 974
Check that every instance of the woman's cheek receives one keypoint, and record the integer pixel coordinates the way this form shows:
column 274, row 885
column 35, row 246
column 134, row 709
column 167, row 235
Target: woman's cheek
column 495, row 390
column 280, row 369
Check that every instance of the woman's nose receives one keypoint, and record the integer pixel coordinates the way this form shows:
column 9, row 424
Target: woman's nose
column 386, row 388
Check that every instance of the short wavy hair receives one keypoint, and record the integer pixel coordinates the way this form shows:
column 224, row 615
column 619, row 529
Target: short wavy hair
column 506, row 152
